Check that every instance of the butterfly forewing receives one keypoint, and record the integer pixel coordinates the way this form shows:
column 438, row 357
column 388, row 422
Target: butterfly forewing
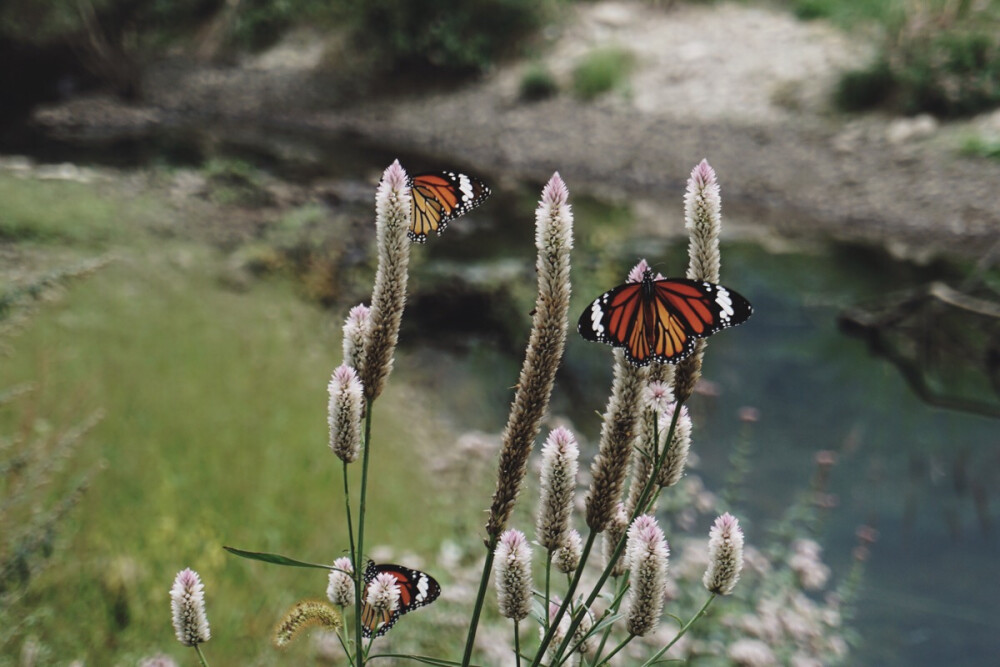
column 442, row 196
column 416, row 589
column 659, row 320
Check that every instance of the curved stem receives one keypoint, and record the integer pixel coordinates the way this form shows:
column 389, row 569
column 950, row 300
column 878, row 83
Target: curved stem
column 350, row 528
column 470, row 641
column 701, row 612
column 617, row 648
column 359, row 571
column 197, row 648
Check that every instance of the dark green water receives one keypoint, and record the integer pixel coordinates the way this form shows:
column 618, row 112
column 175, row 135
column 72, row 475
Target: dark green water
column 914, row 472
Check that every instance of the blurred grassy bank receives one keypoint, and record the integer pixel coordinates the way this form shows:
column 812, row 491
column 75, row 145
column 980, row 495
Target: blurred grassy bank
column 215, row 433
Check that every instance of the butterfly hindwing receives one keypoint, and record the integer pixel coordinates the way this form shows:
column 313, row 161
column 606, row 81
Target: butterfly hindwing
column 660, row 319
column 442, row 196
column 416, row 589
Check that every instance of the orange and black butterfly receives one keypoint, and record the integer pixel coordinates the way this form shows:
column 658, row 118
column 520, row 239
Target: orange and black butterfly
column 659, row 319
column 416, row 589
column 442, row 196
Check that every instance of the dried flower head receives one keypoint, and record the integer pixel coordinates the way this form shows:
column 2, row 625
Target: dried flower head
column 340, row 589
column 679, row 446
column 567, row 557
column 393, row 212
column 512, row 571
column 187, row 602
column 558, row 482
column 554, row 240
column 657, row 397
column 383, row 593
column 614, row 534
column 583, row 643
column 647, row 554
column 357, row 328
column 725, row 555
column 305, row 614
column 617, row 434
column 344, row 415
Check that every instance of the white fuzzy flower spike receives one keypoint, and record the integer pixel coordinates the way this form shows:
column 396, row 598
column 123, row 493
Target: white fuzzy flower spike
column 187, row 602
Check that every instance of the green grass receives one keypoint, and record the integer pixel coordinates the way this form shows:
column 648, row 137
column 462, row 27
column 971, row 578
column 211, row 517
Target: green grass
column 977, row 146
column 537, row 83
column 59, row 211
column 601, row 71
column 215, row 433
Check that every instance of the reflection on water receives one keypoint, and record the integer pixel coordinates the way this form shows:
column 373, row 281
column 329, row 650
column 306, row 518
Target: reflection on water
column 926, row 478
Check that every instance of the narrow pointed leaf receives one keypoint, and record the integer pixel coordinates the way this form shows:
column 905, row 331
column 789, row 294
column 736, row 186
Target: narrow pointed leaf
column 275, row 559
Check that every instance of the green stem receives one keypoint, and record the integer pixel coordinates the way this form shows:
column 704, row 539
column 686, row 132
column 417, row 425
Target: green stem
column 548, row 572
column 617, row 648
column 359, row 570
column 350, row 529
column 344, row 642
column 622, row 587
column 687, row 626
column 470, row 641
column 643, row 500
column 197, row 648
column 588, row 545
column 517, row 643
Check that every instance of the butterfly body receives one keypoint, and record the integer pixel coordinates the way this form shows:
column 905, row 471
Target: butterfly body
column 659, row 319
column 416, row 589
column 439, row 197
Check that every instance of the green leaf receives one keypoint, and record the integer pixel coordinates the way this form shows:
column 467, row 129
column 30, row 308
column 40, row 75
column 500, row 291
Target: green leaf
column 275, row 559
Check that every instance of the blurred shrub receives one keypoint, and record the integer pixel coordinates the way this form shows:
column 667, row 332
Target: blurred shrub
column 235, row 182
column 537, row 83
column 600, row 71
column 977, row 146
column 451, row 34
column 938, row 56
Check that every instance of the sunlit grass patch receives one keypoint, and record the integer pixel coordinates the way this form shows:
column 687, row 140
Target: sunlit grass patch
column 67, row 212
column 215, row 433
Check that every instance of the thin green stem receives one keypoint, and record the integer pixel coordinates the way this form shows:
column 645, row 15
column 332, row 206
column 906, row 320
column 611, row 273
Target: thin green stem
column 197, row 648
column 617, row 648
column 344, row 642
column 622, row 587
column 359, row 570
column 548, row 572
column 517, row 642
column 643, row 500
column 701, row 612
column 350, row 529
column 470, row 641
column 588, row 545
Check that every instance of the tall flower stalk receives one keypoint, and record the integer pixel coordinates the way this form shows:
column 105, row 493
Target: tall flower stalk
column 554, row 241
column 393, row 213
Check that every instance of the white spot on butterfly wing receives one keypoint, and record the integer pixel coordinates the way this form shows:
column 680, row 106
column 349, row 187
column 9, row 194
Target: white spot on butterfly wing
column 596, row 315
column 725, row 303
column 423, row 583
column 465, row 185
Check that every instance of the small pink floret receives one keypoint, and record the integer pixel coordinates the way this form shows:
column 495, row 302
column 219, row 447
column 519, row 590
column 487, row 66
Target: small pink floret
column 395, row 176
column 555, row 192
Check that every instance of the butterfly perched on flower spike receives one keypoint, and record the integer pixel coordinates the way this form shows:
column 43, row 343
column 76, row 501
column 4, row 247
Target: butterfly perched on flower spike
column 416, row 589
column 442, row 196
column 658, row 319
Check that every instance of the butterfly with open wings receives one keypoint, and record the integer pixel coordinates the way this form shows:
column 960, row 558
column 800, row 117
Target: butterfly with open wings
column 659, row 319
column 416, row 589
column 442, row 196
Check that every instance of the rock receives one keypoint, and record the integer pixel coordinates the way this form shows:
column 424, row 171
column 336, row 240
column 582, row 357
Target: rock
column 905, row 130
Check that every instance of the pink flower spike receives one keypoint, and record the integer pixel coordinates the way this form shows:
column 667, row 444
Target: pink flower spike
column 555, row 192
column 187, row 602
column 703, row 175
column 394, row 176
